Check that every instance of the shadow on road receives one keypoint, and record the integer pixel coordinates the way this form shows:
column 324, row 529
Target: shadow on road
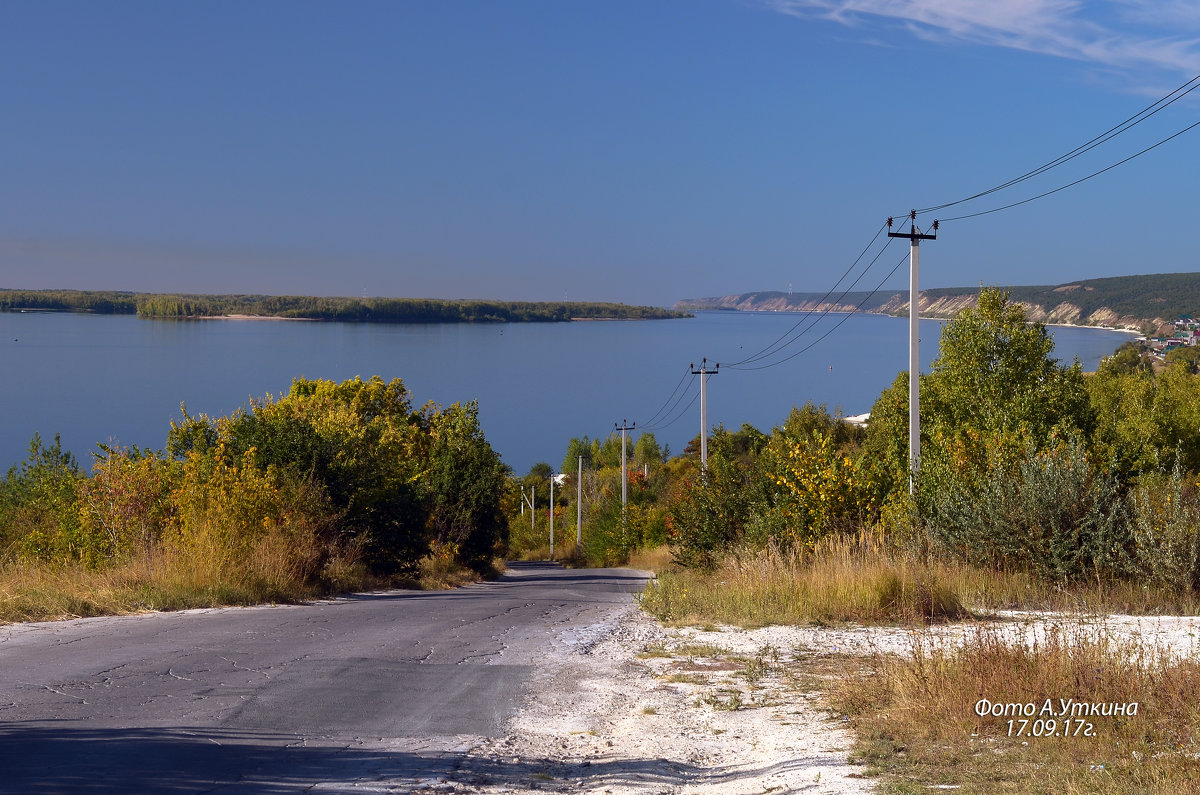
column 178, row 760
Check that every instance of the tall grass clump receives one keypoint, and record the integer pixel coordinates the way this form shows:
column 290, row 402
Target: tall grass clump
column 842, row 579
column 918, row 723
column 235, row 523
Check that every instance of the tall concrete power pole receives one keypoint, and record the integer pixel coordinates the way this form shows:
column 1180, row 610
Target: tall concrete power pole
column 704, row 372
column 914, row 360
column 623, row 428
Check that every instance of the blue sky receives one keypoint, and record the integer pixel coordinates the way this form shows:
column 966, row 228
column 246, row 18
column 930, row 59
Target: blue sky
column 632, row 151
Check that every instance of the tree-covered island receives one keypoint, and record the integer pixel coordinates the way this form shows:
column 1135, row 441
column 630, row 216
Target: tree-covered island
column 160, row 306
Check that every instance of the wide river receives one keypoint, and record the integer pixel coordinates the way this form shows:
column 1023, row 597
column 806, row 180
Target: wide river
column 119, row 379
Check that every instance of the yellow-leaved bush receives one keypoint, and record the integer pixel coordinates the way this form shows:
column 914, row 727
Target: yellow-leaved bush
column 233, row 521
column 819, row 489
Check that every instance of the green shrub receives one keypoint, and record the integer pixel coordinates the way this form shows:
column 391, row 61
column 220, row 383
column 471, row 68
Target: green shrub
column 1053, row 515
column 38, row 518
column 1164, row 515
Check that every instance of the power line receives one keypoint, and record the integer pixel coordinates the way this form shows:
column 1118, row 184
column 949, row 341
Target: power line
column 1076, row 182
column 667, row 402
column 778, row 348
column 1087, row 146
column 835, row 325
column 808, row 312
column 674, row 415
column 680, row 414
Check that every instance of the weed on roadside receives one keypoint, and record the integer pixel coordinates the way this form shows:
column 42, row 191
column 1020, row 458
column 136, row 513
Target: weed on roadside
column 1073, row 709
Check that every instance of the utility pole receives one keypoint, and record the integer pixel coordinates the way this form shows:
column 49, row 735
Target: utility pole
column 579, row 509
column 703, row 372
column 623, row 427
column 914, row 362
column 532, row 509
column 551, row 516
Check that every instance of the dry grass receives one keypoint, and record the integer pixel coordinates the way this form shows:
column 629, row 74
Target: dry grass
column 165, row 581
column 841, row 581
column 564, row 552
column 45, row 592
column 863, row 579
column 657, row 560
column 917, row 725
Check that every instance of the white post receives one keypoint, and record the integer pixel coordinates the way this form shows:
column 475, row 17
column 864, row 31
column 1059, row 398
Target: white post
column 579, row 509
column 552, row 516
column 915, row 237
column 704, row 372
column 703, row 422
column 914, row 367
column 624, row 479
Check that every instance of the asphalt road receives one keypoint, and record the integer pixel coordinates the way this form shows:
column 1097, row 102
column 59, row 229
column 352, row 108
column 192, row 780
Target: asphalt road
column 376, row 692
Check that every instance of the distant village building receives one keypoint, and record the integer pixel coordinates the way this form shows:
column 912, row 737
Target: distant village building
column 1186, row 332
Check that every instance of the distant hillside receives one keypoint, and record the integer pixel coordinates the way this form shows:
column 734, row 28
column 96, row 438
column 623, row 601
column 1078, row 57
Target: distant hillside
column 769, row 301
column 1135, row 302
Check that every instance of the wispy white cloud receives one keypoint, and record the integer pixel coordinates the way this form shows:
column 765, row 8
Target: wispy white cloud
column 1126, row 34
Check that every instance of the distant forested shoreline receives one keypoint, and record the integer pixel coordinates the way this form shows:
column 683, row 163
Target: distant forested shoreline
column 160, row 306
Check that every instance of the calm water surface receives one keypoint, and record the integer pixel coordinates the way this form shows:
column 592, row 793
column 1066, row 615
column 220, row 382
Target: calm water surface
column 121, row 379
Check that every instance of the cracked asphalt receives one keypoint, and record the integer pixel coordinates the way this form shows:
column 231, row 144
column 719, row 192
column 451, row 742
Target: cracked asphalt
column 381, row 692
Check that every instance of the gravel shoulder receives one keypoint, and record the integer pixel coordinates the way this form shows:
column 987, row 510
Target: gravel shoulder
column 638, row 708
column 634, row 707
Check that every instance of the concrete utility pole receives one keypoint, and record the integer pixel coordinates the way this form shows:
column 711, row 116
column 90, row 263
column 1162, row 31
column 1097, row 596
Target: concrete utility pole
column 703, row 372
column 914, row 361
column 623, row 427
column 531, row 499
column 552, row 516
column 579, row 509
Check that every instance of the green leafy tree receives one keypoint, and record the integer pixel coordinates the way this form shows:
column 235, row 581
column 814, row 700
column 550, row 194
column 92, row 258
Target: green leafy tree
column 579, row 447
column 647, row 451
column 1145, row 421
column 1127, row 359
column 993, row 389
column 709, row 511
column 465, row 484
column 1188, row 355
column 38, row 518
